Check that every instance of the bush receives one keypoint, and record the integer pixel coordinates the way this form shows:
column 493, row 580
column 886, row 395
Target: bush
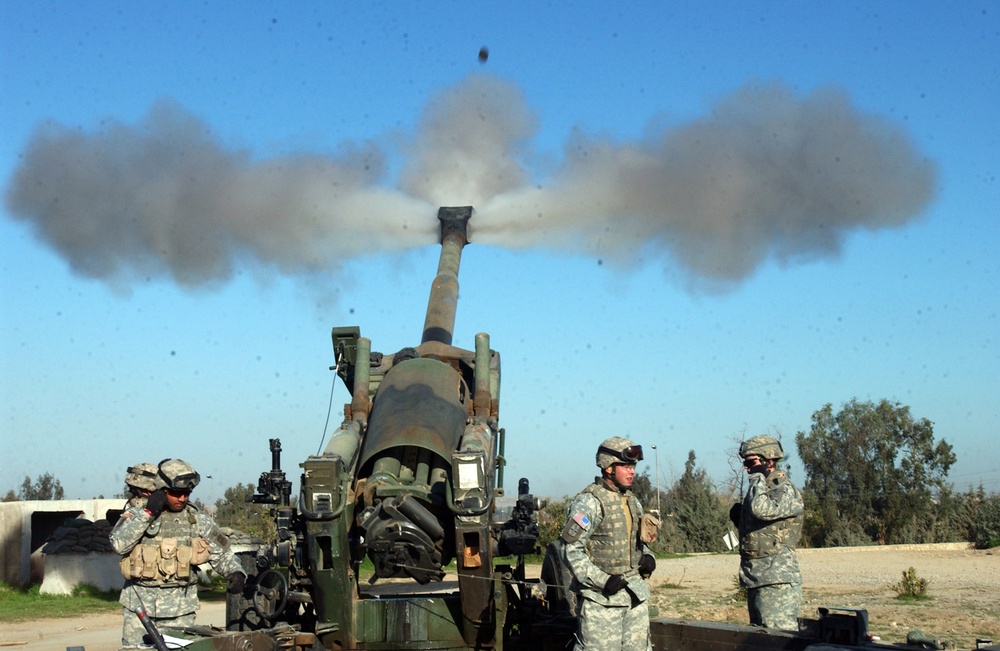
column 911, row 586
column 551, row 520
column 741, row 593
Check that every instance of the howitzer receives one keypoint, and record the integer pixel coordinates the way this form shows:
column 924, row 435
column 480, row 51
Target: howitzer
column 408, row 481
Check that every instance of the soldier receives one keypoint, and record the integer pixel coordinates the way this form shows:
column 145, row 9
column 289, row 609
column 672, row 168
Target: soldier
column 605, row 548
column 770, row 525
column 140, row 480
column 161, row 542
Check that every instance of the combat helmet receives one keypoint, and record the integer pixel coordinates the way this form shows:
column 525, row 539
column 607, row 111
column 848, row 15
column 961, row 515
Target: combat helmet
column 178, row 475
column 143, row 477
column 617, row 450
column 764, row 446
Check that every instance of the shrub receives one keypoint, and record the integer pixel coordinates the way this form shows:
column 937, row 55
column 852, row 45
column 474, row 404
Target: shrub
column 741, row 593
column 551, row 520
column 911, row 586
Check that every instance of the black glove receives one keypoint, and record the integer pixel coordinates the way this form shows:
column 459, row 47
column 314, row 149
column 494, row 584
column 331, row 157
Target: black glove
column 734, row 513
column 156, row 502
column 646, row 565
column 235, row 582
column 614, row 584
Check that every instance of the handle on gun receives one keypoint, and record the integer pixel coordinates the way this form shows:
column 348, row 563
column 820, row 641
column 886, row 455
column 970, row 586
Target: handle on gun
column 150, row 627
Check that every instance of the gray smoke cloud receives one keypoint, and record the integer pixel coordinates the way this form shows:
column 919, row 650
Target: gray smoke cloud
column 764, row 175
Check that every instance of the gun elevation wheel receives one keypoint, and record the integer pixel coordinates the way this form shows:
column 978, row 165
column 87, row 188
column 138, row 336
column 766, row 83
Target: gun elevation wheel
column 270, row 594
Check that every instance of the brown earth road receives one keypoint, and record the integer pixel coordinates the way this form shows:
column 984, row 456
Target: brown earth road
column 964, row 589
column 92, row 632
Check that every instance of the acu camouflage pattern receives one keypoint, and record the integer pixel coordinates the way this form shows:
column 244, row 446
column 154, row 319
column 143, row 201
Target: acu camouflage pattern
column 775, row 606
column 770, row 527
column 138, row 478
column 166, row 601
column 610, row 545
column 612, row 629
column 776, row 523
column 764, row 446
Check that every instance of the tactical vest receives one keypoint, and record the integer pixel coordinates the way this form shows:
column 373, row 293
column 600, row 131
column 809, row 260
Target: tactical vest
column 611, row 547
column 167, row 551
column 759, row 538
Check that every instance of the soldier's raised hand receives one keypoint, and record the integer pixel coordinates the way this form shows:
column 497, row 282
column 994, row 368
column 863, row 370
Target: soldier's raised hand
column 156, row 502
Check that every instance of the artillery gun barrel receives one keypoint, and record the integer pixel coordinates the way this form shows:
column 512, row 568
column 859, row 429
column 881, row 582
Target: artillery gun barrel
column 439, row 325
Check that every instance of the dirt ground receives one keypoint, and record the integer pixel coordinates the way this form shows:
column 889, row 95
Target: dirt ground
column 964, row 589
column 90, row 632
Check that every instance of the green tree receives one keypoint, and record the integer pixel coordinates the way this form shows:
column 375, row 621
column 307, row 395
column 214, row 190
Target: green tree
column 952, row 517
column 695, row 511
column 644, row 490
column 236, row 510
column 551, row 520
column 46, row 487
column 871, row 473
column 984, row 528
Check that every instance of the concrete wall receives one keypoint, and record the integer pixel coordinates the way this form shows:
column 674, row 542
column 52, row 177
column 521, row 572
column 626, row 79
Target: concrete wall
column 63, row 572
column 25, row 526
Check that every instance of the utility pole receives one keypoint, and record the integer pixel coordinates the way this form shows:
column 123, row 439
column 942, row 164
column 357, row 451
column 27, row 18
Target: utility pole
column 656, row 458
column 211, row 492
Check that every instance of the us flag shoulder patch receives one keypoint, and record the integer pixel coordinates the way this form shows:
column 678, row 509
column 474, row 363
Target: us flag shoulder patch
column 581, row 519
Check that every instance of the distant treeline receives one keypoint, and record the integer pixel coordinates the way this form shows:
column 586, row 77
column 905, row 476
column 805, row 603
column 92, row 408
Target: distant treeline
column 873, row 475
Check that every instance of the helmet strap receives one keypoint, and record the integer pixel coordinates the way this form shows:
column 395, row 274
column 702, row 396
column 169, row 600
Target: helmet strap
column 609, row 478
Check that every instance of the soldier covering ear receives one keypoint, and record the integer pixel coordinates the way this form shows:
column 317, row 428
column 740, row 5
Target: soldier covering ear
column 770, row 525
column 162, row 542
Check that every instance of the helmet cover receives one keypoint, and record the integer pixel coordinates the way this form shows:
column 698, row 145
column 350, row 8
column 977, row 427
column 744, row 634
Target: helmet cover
column 617, row 450
column 178, row 475
column 764, row 446
column 143, row 476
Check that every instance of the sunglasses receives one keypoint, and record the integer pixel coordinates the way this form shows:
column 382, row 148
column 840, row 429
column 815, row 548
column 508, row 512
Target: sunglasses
column 172, row 492
column 750, row 463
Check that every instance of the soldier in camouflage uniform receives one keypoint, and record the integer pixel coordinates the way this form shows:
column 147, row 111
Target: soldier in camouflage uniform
column 605, row 548
column 161, row 542
column 141, row 480
column 770, row 525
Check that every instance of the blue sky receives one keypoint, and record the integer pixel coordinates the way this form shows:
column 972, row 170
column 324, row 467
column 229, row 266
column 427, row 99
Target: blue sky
column 695, row 222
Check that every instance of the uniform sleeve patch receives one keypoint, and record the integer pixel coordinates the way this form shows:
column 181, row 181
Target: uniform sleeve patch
column 581, row 519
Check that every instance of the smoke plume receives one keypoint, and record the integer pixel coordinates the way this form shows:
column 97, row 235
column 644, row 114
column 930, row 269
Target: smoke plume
column 764, row 175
